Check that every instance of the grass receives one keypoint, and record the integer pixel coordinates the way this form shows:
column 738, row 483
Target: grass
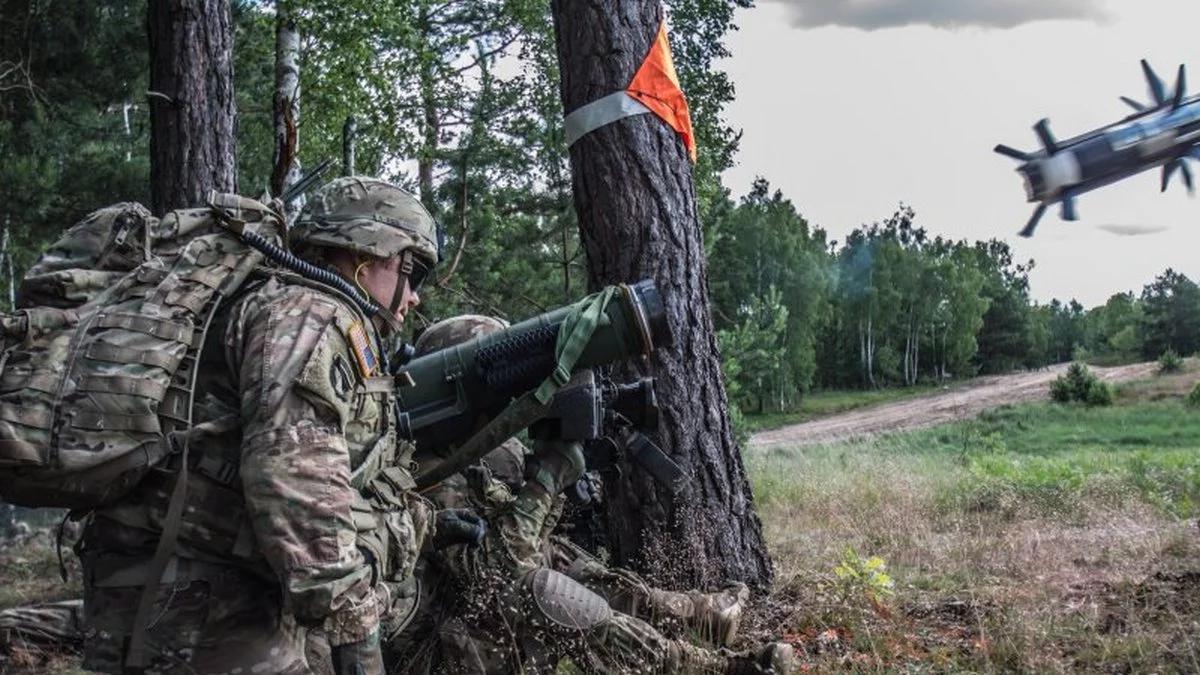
column 29, row 573
column 824, row 403
column 1040, row 538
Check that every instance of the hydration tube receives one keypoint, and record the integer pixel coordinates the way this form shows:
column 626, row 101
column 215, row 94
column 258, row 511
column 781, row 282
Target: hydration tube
column 285, row 258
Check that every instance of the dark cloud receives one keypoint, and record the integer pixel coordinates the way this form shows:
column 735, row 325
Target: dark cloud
column 875, row 14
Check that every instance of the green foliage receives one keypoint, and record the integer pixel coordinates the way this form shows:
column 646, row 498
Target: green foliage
column 755, row 351
column 1193, row 397
column 1170, row 362
column 862, row 577
column 1171, row 315
column 1098, row 393
column 1061, row 390
column 1080, row 384
column 765, row 254
column 73, row 122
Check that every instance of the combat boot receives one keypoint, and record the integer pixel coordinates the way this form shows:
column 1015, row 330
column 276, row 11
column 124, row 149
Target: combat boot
column 775, row 658
column 684, row 657
column 713, row 617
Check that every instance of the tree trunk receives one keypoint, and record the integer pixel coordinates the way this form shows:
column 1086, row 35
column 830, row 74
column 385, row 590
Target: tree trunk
column 870, row 352
column 430, row 123
column 635, row 197
column 287, row 105
column 6, row 267
column 191, row 102
column 349, row 141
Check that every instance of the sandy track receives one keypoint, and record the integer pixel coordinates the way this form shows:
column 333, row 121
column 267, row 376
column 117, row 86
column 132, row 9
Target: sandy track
column 939, row 408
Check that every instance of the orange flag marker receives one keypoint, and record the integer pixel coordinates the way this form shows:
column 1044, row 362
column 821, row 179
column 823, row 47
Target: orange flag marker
column 656, row 86
column 654, row 89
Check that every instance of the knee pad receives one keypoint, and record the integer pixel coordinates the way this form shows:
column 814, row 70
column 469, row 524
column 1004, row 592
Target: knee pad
column 564, row 602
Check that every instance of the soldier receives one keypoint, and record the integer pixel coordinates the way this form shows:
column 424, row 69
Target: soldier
column 712, row 617
column 515, row 612
column 298, row 502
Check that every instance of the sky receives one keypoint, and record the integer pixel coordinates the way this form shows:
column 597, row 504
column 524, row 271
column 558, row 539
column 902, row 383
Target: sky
column 851, row 107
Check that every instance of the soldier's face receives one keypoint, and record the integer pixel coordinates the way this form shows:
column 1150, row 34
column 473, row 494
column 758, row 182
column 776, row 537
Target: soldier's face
column 379, row 279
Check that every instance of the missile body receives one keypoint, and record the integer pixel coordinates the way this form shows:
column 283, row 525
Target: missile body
column 1165, row 134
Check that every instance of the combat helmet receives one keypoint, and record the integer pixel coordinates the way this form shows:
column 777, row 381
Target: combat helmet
column 368, row 216
column 455, row 331
column 507, row 462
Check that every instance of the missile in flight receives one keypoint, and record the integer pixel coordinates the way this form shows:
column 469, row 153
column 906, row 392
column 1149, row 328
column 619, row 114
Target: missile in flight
column 1164, row 133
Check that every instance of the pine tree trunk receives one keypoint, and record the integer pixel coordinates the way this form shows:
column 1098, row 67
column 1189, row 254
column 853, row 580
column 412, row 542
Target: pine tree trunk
column 349, row 141
column 636, row 201
column 287, row 105
column 430, row 123
column 191, row 102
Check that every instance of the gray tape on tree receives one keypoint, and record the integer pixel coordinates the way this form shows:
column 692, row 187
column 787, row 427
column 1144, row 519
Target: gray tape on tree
column 586, row 119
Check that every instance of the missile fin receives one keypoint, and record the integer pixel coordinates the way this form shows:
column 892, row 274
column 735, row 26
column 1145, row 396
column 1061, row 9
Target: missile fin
column 1042, row 129
column 1157, row 91
column 1033, row 221
column 1012, row 152
column 1180, row 87
column 1187, row 177
column 1167, row 171
column 1068, row 209
column 1133, row 104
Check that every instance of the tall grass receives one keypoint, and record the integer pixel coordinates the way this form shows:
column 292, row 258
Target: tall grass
column 1040, row 537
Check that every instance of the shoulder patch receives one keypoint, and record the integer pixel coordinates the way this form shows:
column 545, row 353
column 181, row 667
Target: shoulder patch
column 340, row 378
column 364, row 354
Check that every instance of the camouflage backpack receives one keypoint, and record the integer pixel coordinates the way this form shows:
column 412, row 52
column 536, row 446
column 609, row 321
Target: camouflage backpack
column 98, row 365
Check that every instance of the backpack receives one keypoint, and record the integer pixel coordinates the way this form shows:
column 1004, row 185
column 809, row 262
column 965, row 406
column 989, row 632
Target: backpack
column 98, row 364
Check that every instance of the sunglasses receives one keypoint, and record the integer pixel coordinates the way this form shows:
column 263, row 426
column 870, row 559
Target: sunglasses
column 418, row 275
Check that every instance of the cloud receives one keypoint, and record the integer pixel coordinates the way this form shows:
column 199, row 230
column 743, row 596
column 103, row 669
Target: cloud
column 876, row 14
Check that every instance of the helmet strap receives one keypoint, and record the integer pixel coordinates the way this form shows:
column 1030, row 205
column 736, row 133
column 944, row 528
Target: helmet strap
column 406, row 268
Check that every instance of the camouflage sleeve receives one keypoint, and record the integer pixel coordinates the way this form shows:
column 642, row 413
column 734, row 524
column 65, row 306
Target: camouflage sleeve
column 295, row 463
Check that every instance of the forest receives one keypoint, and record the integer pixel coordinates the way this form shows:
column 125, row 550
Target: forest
column 460, row 103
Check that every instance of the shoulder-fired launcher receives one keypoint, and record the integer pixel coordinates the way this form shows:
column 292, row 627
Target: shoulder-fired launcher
column 449, row 396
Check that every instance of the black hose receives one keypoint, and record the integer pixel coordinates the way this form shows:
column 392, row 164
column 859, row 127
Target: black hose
column 285, row 258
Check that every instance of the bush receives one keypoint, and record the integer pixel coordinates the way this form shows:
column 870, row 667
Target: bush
column 1098, row 393
column 1060, row 390
column 1169, row 362
column 1193, row 398
column 1080, row 384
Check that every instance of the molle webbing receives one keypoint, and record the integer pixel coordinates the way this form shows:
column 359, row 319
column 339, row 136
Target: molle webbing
column 90, row 394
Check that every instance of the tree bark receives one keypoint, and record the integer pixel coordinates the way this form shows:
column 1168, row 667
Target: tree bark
column 286, row 170
column 191, row 102
column 349, row 141
column 635, row 197
column 430, row 121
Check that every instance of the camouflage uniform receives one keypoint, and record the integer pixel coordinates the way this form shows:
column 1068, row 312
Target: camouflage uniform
column 532, row 615
column 299, row 503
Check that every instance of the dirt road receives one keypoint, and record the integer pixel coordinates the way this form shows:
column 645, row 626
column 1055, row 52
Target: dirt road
column 926, row 411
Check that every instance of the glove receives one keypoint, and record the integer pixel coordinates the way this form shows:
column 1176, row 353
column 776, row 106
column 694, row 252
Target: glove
column 555, row 465
column 585, row 491
column 459, row 526
column 359, row 658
